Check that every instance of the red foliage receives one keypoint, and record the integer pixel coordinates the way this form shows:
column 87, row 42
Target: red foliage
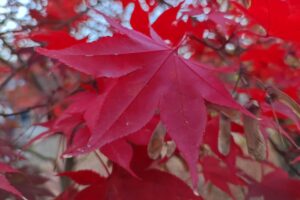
column 201, row 84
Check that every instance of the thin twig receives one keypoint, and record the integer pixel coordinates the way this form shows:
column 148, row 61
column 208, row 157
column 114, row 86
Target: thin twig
column 102, row 162
column 23, row 111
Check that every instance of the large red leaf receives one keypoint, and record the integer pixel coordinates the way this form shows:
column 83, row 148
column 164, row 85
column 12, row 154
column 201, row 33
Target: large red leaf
column 157, row 77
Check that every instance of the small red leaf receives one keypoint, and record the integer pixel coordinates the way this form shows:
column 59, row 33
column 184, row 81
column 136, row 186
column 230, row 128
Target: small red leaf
column 119, row 152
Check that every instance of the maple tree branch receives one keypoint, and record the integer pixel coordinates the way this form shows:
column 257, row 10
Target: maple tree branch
column 16, row 70
column 11, row 76
column 166, row 3
column 39, row 155
column 69, row 166
column 23, row 63
column 72, row 19
column 218, row 50
column 237, row 82
column 241, row 73
column 23, row 111
column 21, row 30
column 6, row 63
column 204, row 42
column 102, row 162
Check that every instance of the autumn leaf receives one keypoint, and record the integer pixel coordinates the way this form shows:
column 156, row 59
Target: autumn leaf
column 154, row 76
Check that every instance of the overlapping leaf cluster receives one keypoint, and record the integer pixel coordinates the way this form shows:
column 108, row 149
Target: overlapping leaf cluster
column 208, row 87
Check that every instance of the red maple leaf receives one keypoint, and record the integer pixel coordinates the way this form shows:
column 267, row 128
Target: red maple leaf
column 152, row 76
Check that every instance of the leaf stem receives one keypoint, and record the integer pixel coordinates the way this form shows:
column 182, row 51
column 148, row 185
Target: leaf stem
column 102, row 163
